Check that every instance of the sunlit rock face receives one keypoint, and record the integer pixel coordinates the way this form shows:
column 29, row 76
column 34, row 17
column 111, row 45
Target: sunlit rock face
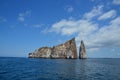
column 67, row 50
column 43, row 52
column 82, row 51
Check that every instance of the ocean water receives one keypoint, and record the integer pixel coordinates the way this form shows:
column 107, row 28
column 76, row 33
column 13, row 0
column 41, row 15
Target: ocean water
column 59, row 69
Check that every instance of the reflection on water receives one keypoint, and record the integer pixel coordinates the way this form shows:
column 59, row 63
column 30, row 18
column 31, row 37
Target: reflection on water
column 82, row 70
column 67, row 68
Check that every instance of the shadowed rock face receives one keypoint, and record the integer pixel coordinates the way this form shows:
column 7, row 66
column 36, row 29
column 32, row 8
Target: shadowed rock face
column 66, row 50
column 82, row 51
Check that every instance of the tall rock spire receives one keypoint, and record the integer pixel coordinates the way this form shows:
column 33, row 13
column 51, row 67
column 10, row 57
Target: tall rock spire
column 82, row 51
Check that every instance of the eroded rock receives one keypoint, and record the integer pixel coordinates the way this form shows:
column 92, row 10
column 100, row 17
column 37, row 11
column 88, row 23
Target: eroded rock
column 66, row 50
column 82, row 51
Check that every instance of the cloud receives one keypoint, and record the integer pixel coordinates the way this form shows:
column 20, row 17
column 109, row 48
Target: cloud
column 108, row 35
column 109, row 14
column 94, row 36
column 94, row 12
column 84, row 25
column 69, row 27
column 24, row 15
column 2, row 19
column 69, row 8
column 117, row 2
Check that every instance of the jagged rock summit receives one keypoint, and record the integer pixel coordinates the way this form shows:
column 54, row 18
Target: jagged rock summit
column 82, row 51
column 67, row 50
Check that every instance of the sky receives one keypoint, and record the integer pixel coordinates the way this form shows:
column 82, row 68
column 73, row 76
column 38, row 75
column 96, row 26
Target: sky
column 26, row 25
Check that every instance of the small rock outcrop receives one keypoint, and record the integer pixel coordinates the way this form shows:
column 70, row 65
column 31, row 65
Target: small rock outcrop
column 82, row 51
column 67, row 50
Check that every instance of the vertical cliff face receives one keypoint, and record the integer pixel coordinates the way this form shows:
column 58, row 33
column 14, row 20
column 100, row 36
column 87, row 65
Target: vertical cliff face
column 58, row 51
column 82, row 51
column 71, row 48
column 66, row 50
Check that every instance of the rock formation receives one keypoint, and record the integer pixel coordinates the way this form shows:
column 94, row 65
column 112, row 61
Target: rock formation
column 82, row 51
column 66, row 50
column 43, row 52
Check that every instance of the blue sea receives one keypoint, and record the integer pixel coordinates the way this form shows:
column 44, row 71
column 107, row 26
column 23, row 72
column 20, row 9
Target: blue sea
column 13, row 68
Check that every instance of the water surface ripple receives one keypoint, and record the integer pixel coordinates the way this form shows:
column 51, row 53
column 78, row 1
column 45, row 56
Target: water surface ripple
column 59, row 69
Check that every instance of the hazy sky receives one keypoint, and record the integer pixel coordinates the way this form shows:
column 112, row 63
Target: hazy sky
column 26, row 25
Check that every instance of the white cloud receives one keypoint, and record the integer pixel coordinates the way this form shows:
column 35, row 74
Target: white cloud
column 108, row 35
column 94, row 36
column 94, row 12
column 109, row 14
column 69, row 27
column 2, row 19
column 117, row 2
column 24, row 15
column 69, row 8
column 116, row 21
